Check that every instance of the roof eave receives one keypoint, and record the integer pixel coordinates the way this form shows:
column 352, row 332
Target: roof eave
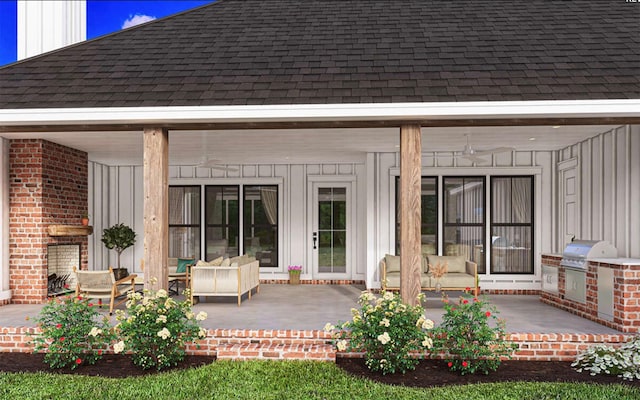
column 376, row 114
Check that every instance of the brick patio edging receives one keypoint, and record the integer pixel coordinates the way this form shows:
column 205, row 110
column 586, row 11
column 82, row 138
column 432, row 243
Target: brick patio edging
column 245, row 344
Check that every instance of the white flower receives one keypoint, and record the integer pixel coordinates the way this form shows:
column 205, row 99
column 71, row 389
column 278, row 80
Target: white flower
column 384, row 322
column 427, row 342
column 118, row 347
column 161, row 319
column 328, row 327
column 161, row 293
column 95, row 331
column 341, row 345
column 388, row 296
column 202, row 332
column 201, row 316
column 384, row 338
column 164, row 333
column 427, row 324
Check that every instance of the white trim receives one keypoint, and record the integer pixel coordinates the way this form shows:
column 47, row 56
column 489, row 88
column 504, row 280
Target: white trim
column 324, row 112
column 314, row 182
column 454, row 171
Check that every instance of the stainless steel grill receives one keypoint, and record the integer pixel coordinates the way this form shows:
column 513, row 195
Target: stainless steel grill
column 578, row 252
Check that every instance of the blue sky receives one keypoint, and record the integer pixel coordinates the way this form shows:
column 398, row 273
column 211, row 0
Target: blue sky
column 102, row 17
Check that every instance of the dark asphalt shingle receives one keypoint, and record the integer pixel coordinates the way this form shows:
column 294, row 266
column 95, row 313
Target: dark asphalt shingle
column 237, row 52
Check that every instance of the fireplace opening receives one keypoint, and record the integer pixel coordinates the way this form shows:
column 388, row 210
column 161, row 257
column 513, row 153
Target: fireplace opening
column 61, row 258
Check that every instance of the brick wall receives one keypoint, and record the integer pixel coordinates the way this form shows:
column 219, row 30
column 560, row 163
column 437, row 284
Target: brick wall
column 241, row 344
column 48, row 185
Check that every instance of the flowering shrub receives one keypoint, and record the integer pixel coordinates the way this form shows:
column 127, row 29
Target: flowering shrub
column 623, row 362
column 295, row 269
column 156, row 328
column 72, row 333
column 387, row 330
column 472, row 336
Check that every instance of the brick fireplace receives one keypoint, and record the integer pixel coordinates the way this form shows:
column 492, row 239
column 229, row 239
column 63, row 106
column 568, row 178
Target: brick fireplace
column 48, row 186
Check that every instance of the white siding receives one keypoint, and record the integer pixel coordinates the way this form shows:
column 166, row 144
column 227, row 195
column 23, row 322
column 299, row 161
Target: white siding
column 116, row 196
column 610, row 188
column 45, row 25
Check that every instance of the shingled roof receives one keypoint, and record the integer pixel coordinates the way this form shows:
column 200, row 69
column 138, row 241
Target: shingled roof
column 240, row 52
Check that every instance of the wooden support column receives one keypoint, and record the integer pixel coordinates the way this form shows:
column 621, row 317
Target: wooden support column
column 410, row 212
column 156, row 207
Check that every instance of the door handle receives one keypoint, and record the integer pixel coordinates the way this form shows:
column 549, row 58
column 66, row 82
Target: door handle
column 315, row 240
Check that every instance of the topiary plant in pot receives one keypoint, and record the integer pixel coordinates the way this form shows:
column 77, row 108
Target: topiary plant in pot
column 119, row 237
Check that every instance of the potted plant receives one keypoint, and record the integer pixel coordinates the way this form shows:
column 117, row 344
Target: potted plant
column 119, row 237
column 85, row 219
column 294, row 274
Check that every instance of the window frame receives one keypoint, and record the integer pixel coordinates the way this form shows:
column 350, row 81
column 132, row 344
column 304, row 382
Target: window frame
column 482, row 268
column 530, row 224
column 196, row 225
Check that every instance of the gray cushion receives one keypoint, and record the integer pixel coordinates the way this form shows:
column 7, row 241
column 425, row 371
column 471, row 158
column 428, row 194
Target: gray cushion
column 392, row 262
column 454, row 263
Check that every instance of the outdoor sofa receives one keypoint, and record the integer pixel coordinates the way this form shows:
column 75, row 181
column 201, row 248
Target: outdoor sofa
column 233, row 277
column 461, row 273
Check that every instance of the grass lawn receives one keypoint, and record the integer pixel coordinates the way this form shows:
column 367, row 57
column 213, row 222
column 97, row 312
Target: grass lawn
column 278, row 380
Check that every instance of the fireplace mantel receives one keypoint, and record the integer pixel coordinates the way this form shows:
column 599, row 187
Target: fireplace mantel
column 70, row 230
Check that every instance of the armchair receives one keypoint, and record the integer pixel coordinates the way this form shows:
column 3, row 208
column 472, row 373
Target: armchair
column 103, row 285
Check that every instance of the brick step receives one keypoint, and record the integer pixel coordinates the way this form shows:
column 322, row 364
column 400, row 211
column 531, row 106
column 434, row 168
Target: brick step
column 281, row 351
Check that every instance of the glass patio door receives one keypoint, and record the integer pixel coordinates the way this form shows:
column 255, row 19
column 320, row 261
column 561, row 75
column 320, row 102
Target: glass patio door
column 330, row 230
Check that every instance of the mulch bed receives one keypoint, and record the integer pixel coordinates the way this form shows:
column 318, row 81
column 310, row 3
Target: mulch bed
column 429, row 373
column 110, row 366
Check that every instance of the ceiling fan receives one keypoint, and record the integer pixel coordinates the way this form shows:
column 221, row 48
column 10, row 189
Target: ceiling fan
column 215, row 164
column 475, row 156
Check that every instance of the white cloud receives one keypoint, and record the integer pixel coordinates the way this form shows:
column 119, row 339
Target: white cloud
column 136, row 20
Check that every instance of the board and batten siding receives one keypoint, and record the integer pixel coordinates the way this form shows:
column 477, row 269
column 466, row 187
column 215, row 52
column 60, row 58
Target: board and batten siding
column 608, row 167
column 116, row 196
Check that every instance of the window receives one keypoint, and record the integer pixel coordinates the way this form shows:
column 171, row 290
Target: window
column 184, row 221
column 429, row 225
column 260, row 220
column 222, row 227
column 512, row 225
column 464, row 218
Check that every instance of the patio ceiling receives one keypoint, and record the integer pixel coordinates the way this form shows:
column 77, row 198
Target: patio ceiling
column 285, row 146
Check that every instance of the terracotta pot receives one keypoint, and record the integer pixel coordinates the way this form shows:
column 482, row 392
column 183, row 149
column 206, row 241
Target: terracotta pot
column 85, row 221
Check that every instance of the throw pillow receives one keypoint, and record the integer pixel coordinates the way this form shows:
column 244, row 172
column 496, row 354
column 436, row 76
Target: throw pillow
column 216, row 261
column 226, row 262
column 393, row 263
column 182, row 265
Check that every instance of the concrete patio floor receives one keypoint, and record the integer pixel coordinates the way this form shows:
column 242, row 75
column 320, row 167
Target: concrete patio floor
column 310, row 307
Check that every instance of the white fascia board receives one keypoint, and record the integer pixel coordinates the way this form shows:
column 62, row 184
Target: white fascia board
column 324, row 112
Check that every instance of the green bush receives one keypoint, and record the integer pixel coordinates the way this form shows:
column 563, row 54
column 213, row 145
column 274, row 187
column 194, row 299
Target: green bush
column 470, row 342
column 155, row 329
column 387, row 330
column 623, row 362
column 72, row 333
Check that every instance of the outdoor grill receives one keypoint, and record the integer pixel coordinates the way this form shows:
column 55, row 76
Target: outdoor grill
column 578, row 252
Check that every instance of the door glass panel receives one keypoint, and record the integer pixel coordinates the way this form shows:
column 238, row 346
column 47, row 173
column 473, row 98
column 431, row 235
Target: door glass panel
column 464, row 218
column 184, row 221
column 429, row 224
column 332, row 230
column 261, row 224
column 223, row 222
column 511, row 225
